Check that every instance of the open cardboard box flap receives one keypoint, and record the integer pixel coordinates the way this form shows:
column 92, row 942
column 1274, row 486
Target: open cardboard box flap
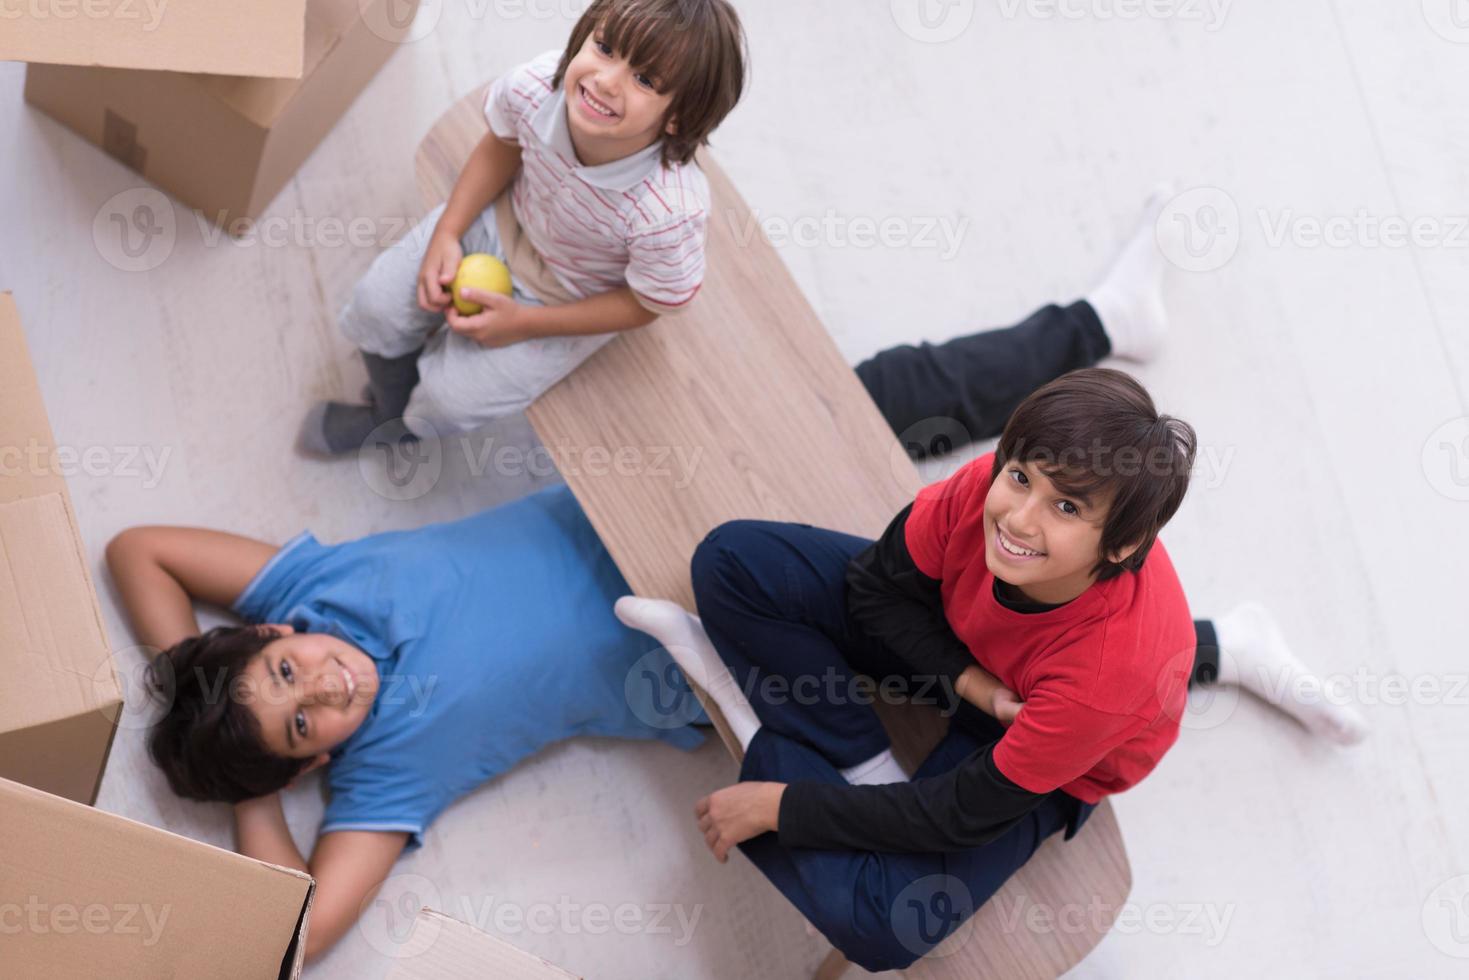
column 246, row 135
column 442, row 948
column 60, row 697
column 262, row 100
column 232, row 37
column 92, row 888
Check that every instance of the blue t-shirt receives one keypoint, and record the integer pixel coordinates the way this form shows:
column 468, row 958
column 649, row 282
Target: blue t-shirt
column 493, row 637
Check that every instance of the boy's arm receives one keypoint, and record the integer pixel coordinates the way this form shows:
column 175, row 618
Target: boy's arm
column 1053, row 742
column 503, row 321
column 608, row 313
column 348, row 865
column 892, row 600
column 489, row 170
column 159, row 571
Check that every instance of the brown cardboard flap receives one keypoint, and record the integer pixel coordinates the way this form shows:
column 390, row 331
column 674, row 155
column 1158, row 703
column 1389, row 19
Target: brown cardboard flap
column 234, row 37
column 92, row 888
column 58, row 656
column 65, row 758
column 59, row 697
column 441, row 948
column 263, row 100
column 23, row 422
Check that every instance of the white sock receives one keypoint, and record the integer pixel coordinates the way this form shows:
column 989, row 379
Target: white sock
column 683, row 636
column 1129, row 302
column 879, row 770
column 1254, row 655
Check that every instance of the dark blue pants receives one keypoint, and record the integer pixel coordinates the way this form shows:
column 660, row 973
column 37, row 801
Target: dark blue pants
column 773, row 600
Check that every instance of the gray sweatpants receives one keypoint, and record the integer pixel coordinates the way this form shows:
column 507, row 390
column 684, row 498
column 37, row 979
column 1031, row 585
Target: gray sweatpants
column 461, row 385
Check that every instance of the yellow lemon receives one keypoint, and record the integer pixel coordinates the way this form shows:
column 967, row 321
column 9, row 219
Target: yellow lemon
column 482, row 272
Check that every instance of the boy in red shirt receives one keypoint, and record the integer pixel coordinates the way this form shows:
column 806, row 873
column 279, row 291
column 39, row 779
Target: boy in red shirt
column 1030, row 579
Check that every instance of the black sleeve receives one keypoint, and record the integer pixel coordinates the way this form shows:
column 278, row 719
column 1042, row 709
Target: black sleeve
column 965, row 807
column 892, row 601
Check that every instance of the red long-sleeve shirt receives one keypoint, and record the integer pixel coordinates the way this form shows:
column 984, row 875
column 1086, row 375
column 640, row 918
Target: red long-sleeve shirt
column 1103, row 677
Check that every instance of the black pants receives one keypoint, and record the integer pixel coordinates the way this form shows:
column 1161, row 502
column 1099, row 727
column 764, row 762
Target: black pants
column 938, row 397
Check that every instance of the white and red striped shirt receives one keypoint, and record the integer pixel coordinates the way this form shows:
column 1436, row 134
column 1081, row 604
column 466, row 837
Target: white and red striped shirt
column 633, row 222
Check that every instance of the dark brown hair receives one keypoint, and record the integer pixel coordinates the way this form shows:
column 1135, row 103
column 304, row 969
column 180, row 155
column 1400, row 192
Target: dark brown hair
column 693, row 49
column 1096, row 435
column 208, row 742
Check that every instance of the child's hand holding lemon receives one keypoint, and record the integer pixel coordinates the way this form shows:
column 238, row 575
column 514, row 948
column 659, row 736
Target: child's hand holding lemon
column 481, row 272
column 483, row 310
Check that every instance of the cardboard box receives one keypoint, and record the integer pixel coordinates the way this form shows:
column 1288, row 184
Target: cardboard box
column 233, row 37
column 441, row 948
column 88, row 893
column 59, row 697
column 226, row 145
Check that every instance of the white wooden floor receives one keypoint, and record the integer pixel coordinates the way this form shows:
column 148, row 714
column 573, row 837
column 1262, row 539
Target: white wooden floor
column 1318, row 376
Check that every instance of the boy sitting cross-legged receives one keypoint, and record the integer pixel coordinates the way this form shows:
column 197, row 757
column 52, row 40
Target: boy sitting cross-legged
column 1032, row 584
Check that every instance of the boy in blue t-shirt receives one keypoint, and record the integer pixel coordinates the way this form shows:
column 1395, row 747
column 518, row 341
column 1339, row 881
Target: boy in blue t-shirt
column 415, row 664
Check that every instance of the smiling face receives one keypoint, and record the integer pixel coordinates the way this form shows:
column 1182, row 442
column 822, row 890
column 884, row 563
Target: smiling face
column 614, row 110
column 1040, row 540
column 309, row 692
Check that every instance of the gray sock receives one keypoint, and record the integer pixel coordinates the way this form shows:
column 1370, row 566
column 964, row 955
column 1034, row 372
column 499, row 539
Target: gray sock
column 390, row 382
column 336, row 428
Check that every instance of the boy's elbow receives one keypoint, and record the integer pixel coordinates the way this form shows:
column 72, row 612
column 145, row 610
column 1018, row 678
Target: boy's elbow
column 125, row 547
column 326, row 927
column 317, row 944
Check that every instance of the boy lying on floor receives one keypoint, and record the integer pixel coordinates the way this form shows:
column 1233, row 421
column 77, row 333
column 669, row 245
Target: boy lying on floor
column 418, row 663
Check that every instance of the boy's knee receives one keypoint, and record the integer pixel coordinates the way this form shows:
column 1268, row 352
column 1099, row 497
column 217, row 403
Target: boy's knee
column 718, row 554
column 870, row 944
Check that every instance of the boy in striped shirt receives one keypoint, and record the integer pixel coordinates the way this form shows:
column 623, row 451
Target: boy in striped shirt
column 586, row 187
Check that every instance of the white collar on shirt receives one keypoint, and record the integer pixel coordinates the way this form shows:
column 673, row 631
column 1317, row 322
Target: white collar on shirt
column 551, row 128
